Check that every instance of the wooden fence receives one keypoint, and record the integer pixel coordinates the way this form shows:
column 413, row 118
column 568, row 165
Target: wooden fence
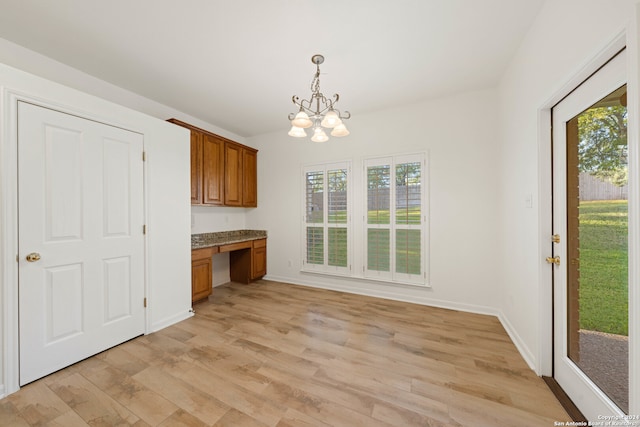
column 592, row 188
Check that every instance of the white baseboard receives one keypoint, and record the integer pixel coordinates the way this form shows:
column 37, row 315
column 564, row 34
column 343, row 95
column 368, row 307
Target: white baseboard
column 522, row 348
column 170, row 321
column 387, row 294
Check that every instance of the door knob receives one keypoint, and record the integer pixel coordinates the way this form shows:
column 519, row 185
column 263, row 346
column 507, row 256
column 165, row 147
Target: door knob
column 553, row 260
column 33, row 257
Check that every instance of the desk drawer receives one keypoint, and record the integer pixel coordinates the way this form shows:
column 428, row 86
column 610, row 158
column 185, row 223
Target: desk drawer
column 236, row 246
column 203, row 253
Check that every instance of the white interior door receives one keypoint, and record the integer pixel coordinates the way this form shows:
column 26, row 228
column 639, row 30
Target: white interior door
column 81, row 243
column 591, row 277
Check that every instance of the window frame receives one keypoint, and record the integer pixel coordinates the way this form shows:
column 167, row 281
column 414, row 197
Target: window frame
column 421, row 279
column 326, row 223
column 357, row 222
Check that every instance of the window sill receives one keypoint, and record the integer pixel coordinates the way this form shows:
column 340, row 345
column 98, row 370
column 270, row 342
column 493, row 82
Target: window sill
column 383, row 281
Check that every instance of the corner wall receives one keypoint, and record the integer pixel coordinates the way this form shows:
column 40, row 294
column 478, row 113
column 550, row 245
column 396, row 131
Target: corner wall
column 168, row 261
column 203, row 219
column 567, row 34
column 459, row 134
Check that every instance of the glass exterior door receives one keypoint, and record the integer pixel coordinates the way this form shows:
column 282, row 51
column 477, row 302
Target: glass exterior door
column 590, row 220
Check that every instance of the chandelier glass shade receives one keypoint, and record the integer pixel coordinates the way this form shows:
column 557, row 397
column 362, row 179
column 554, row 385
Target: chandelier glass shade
column 318, row 112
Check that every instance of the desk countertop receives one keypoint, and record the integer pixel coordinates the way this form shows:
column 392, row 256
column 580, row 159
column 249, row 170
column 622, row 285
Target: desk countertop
column 207, row 240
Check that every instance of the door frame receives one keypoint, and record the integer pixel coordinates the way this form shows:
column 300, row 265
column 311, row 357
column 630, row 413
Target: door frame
column 629, row 38
column 9, row 217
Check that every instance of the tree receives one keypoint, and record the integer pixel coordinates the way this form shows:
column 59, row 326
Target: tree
column 408, row 174
column 602, row 148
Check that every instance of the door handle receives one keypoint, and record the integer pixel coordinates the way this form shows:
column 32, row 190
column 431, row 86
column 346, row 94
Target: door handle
column 553, row 260
column 33, row 257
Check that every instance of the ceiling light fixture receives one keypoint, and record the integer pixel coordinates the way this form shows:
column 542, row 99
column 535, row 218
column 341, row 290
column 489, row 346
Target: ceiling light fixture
column 319, row 112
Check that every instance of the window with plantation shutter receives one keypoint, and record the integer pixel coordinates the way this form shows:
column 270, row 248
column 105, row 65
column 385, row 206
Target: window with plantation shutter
column 327, row 218
column 395, row 229
column 391, row 229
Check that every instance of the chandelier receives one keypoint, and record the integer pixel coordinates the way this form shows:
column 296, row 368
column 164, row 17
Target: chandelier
column 318, row 112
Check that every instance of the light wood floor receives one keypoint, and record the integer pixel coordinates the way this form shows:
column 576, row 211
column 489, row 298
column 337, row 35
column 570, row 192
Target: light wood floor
column 272, row 354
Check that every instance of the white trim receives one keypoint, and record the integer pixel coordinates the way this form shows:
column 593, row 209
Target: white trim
column 325, row 268
column 587, row 396
column 519, row 343
column 9, row 200
column 545, row 350
column 545, row 291
column 9, row 222
column 389, row 294
column 628, row 37
column 393, row 276
column 633, row 141
column 171, row 320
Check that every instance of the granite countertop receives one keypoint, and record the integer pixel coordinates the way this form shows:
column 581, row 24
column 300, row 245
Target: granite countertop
column 207, row 240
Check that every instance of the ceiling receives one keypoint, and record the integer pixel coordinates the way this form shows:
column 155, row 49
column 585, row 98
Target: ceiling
column 236, row 63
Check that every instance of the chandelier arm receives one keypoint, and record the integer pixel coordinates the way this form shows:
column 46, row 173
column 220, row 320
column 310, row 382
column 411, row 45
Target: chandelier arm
column 307, row 107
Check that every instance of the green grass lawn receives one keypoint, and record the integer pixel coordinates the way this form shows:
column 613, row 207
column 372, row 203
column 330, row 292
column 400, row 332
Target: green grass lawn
column 604, row 266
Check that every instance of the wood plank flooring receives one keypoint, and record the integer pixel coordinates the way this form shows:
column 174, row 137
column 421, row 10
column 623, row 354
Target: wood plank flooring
column 273, row 354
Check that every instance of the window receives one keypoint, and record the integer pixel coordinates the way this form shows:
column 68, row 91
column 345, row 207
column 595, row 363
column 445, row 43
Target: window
column 391, row 216
column 327, row 218
column 395, row 229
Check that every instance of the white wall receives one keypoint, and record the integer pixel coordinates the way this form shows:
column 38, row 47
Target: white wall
column 460, row 135
column 483, row 153
column 168, row 261
column 204, row 219
column 565, row 37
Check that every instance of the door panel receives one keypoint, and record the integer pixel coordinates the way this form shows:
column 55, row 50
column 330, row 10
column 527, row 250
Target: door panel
column 585, row 143
column 80, row 198
column 63, row 183
column 117, row 192
column 117, row 288
column 63, row 302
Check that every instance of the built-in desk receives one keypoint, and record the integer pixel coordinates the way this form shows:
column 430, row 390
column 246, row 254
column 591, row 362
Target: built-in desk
column 247, row 258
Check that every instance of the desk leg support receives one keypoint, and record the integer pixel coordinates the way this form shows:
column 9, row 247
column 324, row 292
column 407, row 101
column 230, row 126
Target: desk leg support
column 240, row 265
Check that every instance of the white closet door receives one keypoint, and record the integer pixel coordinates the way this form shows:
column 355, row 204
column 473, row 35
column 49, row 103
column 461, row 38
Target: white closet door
column 81, row 243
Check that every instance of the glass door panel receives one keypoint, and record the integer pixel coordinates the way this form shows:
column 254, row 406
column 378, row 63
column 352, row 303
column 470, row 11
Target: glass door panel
column 597, row 269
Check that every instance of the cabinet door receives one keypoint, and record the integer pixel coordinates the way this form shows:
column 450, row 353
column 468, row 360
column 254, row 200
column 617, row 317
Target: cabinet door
column 249, row 178
column 259, row 259
column 213, row 170
column 233, row 175
column 196, row 167
column 201, row 278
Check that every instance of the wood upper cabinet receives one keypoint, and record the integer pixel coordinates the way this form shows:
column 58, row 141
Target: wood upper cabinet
column 213, row 170
column 241, row 173
column 223, row 172
column 233, row 175
column 196, row 167
column 249, row 178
